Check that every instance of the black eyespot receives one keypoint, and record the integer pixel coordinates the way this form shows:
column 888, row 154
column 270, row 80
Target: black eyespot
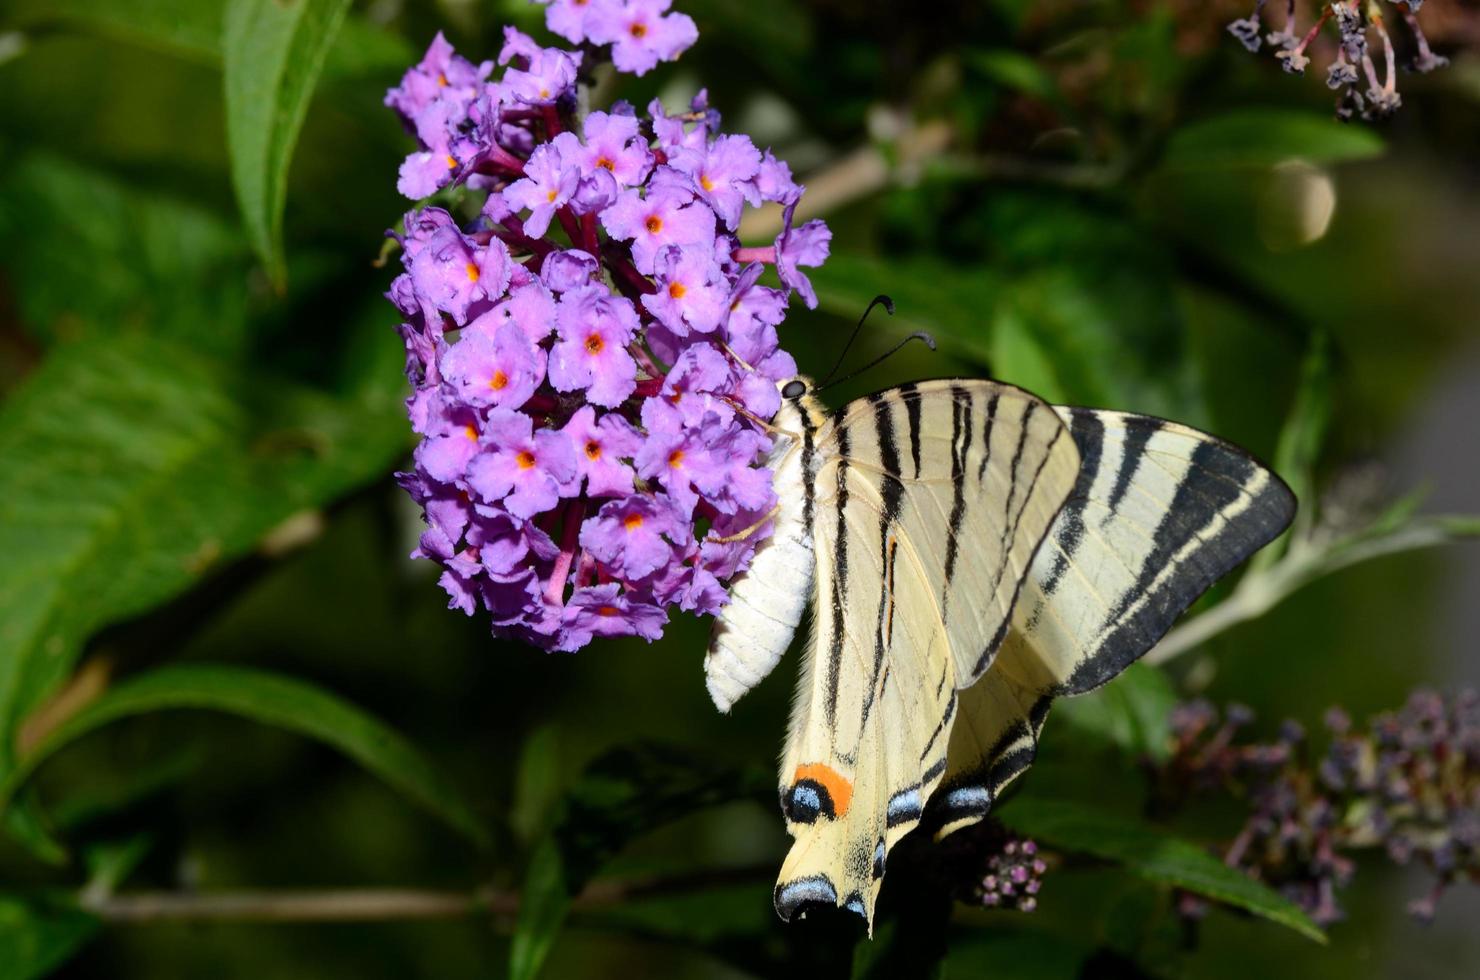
column 794, row 388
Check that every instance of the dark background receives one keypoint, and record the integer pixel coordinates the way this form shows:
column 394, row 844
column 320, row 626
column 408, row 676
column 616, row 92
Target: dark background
column 1108, row 202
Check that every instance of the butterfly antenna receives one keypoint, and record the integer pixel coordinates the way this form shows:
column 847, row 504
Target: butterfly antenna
column 919, row 335
column 880, row 299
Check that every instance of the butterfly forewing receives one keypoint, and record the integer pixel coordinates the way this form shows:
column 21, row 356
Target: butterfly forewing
column 1159, row 512
column 930, row 501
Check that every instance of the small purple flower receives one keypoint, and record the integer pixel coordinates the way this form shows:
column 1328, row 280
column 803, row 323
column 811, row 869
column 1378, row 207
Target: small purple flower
column 692, row 295
column 601, row 446
column 595, row 328
column 504, row 544
column 529, row 306
column 528, row 471
column 773, row 181
column 667, row 216
column 453, row 438
column 547, row 75
column 568, row 18
column 440, row 74
column 640, row 34
column 807, row 245
column 461, row 570
column 613, row 143
column 494, row 367
column 547, row 185
column 452, row 271
column 599, row 610
column 595, row 192
column 570, row 269
column 723, row 173
column 628, row 535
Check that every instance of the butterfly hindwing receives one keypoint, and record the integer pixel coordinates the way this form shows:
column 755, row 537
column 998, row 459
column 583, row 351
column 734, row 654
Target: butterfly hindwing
column 1159, row 512
column 930, row 503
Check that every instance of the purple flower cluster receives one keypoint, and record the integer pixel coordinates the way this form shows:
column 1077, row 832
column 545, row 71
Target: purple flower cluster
column 1360, row 28
column 593, row 355
column 1410, row 784
column 1013, row 877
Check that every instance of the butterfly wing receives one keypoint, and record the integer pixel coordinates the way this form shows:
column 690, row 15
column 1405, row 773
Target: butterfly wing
column 1159, row 513
column 930, row 502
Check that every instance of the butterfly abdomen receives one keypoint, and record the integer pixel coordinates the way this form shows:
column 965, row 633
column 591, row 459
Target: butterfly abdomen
column 768, row 599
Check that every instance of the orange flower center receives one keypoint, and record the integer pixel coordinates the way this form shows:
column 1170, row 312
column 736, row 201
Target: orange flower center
column 550, row 197
column 638, row 30
column 609, row 611
column 677, row 289
column 675, row 458
column 499, row 381
column 451, row 162
column 705, row 182
column 594, row 343
column 441, row 79
column 525, row 460
column 471, row 433
column 653, row 224
column 607, row 163
column 593, row 450
column 632, row 522
column 472, row 272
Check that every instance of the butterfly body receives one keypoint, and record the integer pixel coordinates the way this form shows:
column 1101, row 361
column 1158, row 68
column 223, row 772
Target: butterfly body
column 972, row 552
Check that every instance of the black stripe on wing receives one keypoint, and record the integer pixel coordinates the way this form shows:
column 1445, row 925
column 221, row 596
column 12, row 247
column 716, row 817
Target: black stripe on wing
column 1218, row 479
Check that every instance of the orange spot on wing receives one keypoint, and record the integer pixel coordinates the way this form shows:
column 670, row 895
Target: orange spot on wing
column 829, row 779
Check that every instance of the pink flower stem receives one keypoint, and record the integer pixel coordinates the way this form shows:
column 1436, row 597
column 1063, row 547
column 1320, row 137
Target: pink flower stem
column 765, row 253
column 646, row 361
column 570, row 535
column 1310, row 35
column 588, row 235
column 570, row 223
column 552, row 122
column 516, row 238
column 628, row 279
column 500, row 161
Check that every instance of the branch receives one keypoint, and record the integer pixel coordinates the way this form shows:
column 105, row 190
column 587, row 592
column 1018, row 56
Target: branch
column 1307, row 559
column 385, row 904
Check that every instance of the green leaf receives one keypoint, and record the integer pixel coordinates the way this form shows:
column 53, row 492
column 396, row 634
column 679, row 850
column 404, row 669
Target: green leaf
column 152, row 263
column 1014, row 70
column 1265, row 137
column 1016, row 955
column 191, row 29
column 619, row 797
column 1153, row 855
column 130, row 468
column 37, row 936
column 1300, row 443
column 1131, row 711
column 270, row 699
column 273, row 51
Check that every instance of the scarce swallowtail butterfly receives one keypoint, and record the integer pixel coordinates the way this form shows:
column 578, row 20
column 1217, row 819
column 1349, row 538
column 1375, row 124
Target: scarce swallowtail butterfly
column 970, row 553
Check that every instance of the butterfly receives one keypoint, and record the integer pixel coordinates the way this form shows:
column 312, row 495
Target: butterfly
column 970, row 553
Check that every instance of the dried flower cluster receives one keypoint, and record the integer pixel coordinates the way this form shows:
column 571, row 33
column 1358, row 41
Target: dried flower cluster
column 593, row 355
column 1362, row 37
column 1012, row 878
column 1409, row 784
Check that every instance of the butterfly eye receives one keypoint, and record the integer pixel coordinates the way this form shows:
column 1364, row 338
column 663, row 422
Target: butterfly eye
column 795, row 388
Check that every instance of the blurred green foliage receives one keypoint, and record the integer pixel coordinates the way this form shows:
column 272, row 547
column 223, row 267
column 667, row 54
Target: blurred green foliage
column 201, row 412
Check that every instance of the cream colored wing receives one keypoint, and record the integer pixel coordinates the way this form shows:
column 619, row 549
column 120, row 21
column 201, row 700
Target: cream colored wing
column 930, row 502
column 1159, row 513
